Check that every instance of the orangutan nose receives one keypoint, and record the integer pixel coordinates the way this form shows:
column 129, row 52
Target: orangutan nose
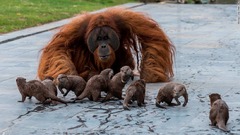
column 103, row 46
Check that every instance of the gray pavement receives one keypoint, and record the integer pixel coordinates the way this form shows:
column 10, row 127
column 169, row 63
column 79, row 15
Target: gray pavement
column 207, row 40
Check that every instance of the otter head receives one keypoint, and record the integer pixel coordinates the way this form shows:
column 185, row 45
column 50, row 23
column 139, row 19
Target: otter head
column 21, row 80
column 179, row 90
column 213, row 97
column 108, row 73
column 126, row 74
column 62, row 79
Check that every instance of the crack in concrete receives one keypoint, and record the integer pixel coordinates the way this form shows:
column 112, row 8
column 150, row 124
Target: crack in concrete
column 109, row 115
column 150, row 129
column 36, row 109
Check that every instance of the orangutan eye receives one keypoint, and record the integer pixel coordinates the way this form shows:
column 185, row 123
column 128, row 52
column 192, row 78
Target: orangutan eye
column 109, row 36
column 105, row 37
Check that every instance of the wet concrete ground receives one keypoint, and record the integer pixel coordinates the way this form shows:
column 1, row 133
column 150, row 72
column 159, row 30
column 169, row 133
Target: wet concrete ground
column 207, row 40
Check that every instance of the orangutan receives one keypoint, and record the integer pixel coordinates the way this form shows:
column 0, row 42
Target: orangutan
column 92, row 42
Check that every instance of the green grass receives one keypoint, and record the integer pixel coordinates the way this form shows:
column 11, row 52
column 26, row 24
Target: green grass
column 19, row 14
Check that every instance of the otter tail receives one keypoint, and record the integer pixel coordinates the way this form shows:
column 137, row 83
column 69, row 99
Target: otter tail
column 84, row 94
column 223, row 117
column 158, row 105
column 185, row 98
column 125, row 107
column 55, row 98
column 126, row 100
column 222, row 126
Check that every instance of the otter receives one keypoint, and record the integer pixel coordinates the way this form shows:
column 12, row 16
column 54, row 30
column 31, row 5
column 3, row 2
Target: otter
column 48, row 82
column 118, row 82
column 135, row 91
column 37, row 89
column 95, row 85
column 169, row 91
column 219, row 113
column 71, row 82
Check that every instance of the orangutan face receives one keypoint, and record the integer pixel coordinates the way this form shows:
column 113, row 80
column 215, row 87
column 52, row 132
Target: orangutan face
column 103, row 42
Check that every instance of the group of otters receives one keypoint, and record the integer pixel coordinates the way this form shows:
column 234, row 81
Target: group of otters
column 46, row 92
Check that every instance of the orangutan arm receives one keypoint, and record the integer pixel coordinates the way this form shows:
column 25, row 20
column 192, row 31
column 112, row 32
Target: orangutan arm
column 156, row 49
column 55, row 62
column 57, row 55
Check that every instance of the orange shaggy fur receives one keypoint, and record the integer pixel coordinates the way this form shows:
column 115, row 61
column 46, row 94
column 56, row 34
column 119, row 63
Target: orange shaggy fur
column 140, row 36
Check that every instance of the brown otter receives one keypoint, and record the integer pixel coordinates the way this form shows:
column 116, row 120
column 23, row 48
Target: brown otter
column 71, row 82
column 37, row 89
column 135, row 91
column 118, row 82
column 169, row 91
column 96, row 84
column 219, row 113
column 48, row 82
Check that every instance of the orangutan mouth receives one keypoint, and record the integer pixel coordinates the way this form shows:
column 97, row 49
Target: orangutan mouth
column 105, row 57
